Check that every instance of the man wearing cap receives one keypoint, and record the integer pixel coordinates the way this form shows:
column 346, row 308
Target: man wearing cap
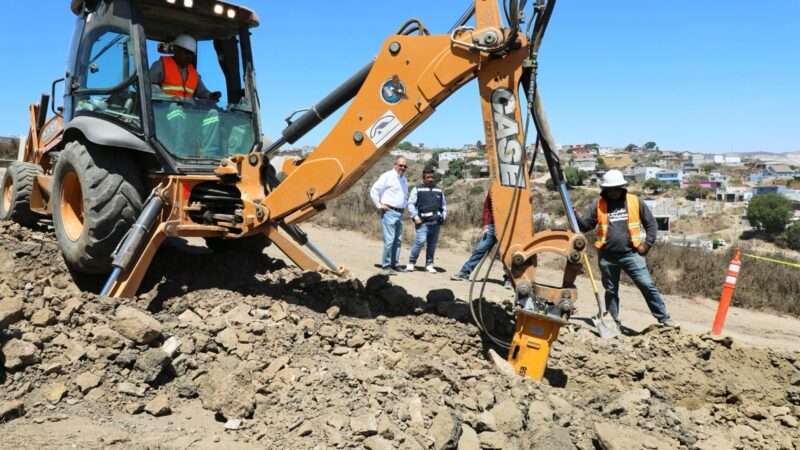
column 618, row 218
column 177, row 77
column 388, row 193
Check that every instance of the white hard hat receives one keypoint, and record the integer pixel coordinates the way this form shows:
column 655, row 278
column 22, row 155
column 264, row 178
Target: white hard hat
column 186, row 42
column 613, row 178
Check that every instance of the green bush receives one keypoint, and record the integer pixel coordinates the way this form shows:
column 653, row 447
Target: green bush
column 770, row 212
column 792, row 236
column 475, row 190
column 449, row 191
column 694, row 191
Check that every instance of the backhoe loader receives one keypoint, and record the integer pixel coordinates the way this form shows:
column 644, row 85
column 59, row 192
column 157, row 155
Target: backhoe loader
column 117, row 181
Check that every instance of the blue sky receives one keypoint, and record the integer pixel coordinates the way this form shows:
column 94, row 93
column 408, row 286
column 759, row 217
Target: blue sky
column 710, row 76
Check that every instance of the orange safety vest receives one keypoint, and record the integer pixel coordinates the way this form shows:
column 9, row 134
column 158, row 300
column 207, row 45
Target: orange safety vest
column 173, row 83
column 634, row 225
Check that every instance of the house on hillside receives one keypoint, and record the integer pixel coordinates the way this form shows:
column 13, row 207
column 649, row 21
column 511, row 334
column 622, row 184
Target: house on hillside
column 670, row 177
column 780, row 171
column 707, row 184
column 452, row 156
column 728, row 160
column 640, row 174
column 735, row 194
column 716, row 175
column 478, row 168
column 586, row 163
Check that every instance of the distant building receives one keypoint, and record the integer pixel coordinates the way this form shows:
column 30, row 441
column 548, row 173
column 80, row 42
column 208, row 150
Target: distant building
column 640, row 174
column 708, row 184
column 780, row 171
column 586, row 163
column 452, row 156
column 670, row 177
column 734, row 194
column 727, row 160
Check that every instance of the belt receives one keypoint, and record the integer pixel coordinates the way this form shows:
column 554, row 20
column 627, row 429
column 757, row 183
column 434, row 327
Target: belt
column 396, row 209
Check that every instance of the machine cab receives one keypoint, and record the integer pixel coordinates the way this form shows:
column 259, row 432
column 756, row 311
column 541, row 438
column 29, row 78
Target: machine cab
column 116, row 88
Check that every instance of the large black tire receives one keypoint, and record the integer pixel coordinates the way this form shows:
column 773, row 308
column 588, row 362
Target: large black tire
column 97, row 196
column 17, row 186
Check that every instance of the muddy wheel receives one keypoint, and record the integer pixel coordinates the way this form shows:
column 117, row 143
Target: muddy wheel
column 97, row 196
column 249, row 244
column 17, row 184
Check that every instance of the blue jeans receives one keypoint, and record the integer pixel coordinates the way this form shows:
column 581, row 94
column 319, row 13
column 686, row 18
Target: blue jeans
column 636, row 267
column 392, row 224
column 484, row 245
column 426, row 232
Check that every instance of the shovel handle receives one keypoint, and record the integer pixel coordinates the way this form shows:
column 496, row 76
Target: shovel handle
column 589, row 271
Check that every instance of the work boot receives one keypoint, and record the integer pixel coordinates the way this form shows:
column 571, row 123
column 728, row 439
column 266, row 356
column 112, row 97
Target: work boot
column 388, row 271
column 430, row 269
column 410, row 267
column 669, row 323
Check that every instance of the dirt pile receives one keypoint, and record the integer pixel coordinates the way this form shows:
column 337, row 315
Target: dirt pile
column 297, row 360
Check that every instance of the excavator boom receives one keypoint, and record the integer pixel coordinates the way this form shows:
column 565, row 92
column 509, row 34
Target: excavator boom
column 411, row 75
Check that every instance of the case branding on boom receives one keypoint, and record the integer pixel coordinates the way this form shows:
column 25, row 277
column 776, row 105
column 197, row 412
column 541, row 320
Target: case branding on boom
column 506, row 138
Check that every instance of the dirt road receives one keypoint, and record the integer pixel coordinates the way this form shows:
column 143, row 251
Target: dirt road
column 360, row 255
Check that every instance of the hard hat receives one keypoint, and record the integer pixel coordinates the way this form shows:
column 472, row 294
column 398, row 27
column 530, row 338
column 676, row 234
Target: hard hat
column 186, row 42
column 613, row 178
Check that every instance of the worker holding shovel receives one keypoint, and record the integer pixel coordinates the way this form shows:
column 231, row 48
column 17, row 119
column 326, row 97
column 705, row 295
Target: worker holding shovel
column 618, row 218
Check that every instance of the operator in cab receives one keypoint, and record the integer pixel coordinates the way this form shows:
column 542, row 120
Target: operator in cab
column 177, row 77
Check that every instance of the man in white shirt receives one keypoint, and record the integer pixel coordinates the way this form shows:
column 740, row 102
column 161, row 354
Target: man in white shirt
column 389, row 196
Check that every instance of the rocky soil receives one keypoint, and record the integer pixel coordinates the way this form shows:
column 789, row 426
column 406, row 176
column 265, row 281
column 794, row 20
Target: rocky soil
column 286, row 359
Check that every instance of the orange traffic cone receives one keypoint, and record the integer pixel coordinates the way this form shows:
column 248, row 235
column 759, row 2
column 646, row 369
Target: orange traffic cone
column 727, row 292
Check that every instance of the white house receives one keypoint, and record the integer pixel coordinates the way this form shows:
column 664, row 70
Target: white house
column 452, row 156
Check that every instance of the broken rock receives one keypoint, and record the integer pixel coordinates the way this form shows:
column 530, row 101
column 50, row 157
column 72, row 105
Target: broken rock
column 159, row 406
column 227, row 389
column 364, row 424
column 104, row 336
column 445, row 430
column 43, row 318
column 87, row 381
column 10, row 311
column 11, row 410
column 616, row 437
column 19, row 353
column 150, row 364
column 57, row 392
column 137, row 325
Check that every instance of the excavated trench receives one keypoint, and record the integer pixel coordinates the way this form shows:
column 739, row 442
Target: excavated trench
column 306, row 360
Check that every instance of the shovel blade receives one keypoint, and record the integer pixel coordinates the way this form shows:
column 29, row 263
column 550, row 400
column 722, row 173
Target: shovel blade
column 606, row 328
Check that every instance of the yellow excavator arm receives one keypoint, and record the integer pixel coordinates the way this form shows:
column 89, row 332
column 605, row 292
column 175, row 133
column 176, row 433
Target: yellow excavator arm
column 412, row 74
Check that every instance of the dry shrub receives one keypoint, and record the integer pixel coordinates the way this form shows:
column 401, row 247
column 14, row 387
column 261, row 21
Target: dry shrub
column 762, row 285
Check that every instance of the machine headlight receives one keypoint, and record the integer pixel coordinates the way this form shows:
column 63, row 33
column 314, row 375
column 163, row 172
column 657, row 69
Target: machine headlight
column 219, row 9
column 188, row 3
column 231, row 13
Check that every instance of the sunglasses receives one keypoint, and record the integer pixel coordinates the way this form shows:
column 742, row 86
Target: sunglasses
column 402, row 166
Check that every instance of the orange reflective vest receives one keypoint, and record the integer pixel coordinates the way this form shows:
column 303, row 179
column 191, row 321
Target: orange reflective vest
column 173, row 83
column 634, row 224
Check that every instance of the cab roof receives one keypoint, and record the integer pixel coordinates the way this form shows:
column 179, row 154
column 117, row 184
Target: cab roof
column 203, row 19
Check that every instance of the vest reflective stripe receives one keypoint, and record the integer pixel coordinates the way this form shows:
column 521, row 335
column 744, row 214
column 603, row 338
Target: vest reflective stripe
column 178, row 113
column 173, row 83
column 210, row 120
column 429, row 202
column 634, row 223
